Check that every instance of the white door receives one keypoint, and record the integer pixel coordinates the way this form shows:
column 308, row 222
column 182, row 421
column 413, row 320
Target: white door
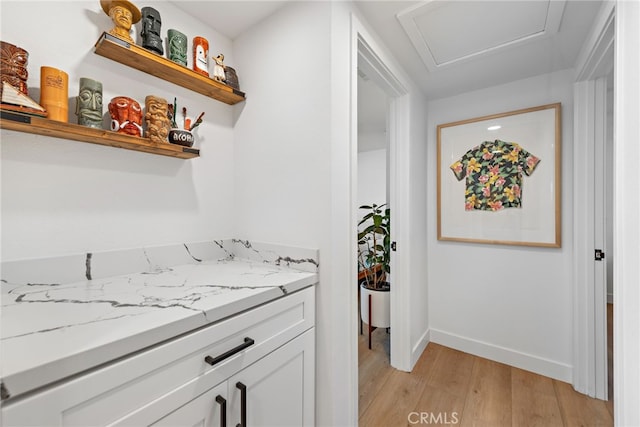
column 603, row 228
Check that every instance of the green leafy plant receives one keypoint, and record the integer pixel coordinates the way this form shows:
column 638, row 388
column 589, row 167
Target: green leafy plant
column 374, row 245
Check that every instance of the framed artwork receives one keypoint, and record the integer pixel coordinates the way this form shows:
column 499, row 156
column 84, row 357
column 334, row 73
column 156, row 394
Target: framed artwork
column 499, row 178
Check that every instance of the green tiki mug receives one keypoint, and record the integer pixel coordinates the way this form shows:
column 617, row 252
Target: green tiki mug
column 177, row 46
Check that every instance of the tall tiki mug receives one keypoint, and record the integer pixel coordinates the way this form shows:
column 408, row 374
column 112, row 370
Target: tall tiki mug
column 156, row 116
column 89, row 103
column 150, row 33
column 200, row 55
column 13, row 66
column 177, row 47
column 54, row 90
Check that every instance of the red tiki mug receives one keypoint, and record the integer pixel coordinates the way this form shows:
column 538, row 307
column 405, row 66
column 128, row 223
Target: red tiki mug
column 126, row 116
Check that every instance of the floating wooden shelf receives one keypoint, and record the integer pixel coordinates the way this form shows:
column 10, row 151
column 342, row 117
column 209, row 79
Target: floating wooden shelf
column 40, row 126
column 141, row 59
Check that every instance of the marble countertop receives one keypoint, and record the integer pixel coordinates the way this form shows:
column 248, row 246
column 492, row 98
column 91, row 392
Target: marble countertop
column 51, row 330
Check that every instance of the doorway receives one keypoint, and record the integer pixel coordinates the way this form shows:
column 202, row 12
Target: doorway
column 374, row 349
column 373, row 167
column 369, row 62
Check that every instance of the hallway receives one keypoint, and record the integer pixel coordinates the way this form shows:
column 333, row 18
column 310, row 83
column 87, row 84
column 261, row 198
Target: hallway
column 448, row 387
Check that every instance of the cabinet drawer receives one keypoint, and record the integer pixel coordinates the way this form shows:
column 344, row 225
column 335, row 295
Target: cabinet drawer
column 105, row 395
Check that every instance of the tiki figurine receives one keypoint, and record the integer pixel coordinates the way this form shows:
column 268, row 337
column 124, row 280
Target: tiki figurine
column 218, row 69
column 89, row 103
column 13, row 66
column 124, row 14
column 158, row 123
column 150, row 33
column 126, row 116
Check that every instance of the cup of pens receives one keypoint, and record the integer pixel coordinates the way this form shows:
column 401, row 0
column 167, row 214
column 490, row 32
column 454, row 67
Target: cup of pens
column 182, row 135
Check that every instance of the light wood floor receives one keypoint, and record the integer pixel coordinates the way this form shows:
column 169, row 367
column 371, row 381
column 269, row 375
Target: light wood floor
column 457, row 388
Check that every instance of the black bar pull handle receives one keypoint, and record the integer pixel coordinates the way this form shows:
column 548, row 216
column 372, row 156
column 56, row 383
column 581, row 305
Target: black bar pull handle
column 213, row 360
column 243, row 404
column 223, row 410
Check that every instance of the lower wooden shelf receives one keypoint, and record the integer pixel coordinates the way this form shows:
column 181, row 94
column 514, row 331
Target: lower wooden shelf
column 70, row 131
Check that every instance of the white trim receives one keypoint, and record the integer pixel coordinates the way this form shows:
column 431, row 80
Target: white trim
column 596, row 56
column 626, row 294
column 420, row 346
column 401, row 357
column 583, row 310
column 528, row 362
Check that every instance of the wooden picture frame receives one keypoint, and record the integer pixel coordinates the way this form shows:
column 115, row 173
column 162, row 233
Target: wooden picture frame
column 537, row 219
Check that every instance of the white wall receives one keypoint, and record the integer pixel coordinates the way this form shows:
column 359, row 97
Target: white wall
column 372, row 177
column 61, row 197
column 511, row 304
column 282, row 133
column 283, row 140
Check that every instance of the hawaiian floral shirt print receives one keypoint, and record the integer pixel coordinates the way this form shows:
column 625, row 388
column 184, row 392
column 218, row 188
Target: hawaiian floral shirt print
column 494, row 175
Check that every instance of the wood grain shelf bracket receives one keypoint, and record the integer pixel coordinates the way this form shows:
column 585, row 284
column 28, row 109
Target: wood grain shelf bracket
column 141, row 59
column 70, row 131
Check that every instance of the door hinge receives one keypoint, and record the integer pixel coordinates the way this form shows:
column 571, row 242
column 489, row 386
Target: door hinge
column 599, row 255
column 393, row 246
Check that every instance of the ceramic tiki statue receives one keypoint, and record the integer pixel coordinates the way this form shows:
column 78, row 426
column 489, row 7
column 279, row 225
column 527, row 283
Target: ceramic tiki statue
column 89, row 103
column 126, row 116
column 158, row 123
column 200, row 55
column 13, row 66
column 150, row 33
column 177, row 43
column 124, row 14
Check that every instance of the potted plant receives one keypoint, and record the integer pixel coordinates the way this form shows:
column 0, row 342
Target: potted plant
column 374, row 253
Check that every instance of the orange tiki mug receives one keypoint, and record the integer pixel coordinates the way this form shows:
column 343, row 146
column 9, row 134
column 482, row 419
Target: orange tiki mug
column 54, row 92
column 200, row 55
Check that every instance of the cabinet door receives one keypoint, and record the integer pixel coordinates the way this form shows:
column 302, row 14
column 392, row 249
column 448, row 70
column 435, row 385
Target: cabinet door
column 207, row 410
column 278, row 389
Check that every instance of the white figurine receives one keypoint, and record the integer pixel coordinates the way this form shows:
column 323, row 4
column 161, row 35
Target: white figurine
column 218, row 68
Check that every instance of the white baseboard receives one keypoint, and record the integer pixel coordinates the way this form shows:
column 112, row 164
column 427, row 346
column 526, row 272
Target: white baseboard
column 417, row 350
column 538, row 365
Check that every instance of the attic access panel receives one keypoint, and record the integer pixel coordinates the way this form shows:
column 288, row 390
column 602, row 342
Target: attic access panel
column 445, row 32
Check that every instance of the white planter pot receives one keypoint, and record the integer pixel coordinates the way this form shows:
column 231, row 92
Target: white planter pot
column 380, row 307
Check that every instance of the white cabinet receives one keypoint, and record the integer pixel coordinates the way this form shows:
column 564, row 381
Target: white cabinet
column 274, row 391
column 270, row 349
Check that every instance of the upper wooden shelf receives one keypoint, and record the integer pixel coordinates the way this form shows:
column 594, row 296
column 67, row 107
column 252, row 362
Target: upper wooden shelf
column 141, row 59
column 41, row 126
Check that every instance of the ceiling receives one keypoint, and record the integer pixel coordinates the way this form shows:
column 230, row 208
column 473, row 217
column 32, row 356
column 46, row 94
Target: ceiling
column 452, row 47
column 446, row 47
